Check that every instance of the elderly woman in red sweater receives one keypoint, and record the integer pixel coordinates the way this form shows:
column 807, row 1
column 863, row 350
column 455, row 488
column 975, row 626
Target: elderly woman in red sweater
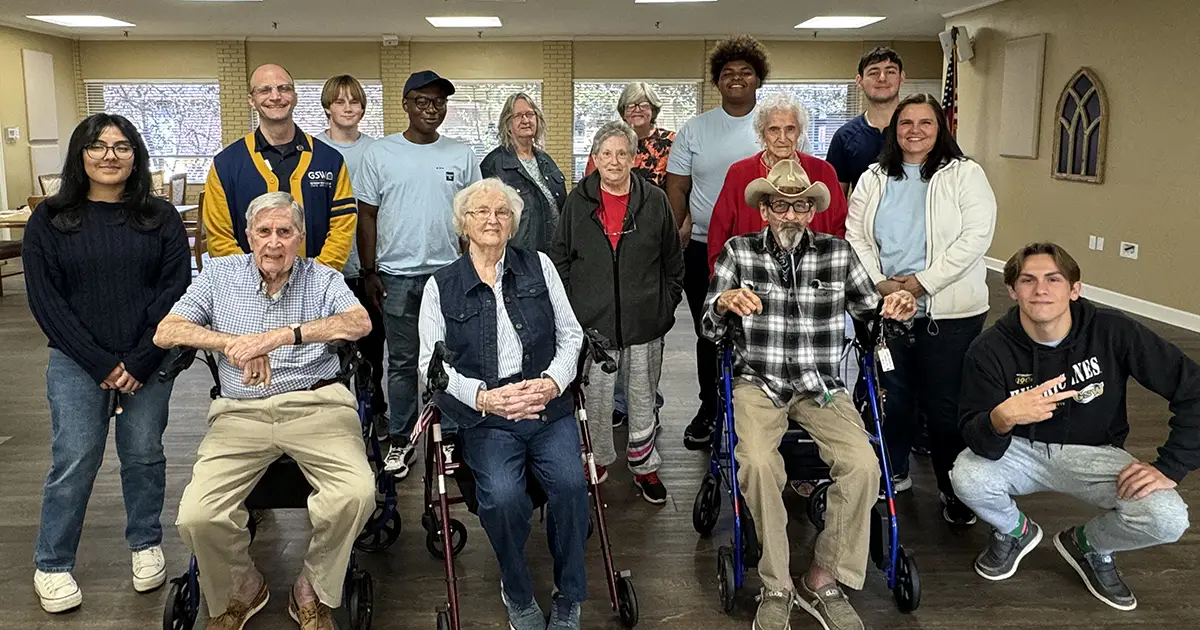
column 780, row 122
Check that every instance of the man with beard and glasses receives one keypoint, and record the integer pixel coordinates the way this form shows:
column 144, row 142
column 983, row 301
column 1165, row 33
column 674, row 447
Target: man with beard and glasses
column 857, row 144
column 778, row 296
column 408, row 181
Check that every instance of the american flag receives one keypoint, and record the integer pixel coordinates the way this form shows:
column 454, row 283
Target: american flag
column 950, row 95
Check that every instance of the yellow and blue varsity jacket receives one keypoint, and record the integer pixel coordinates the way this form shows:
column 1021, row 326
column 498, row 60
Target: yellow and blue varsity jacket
column 320, row 183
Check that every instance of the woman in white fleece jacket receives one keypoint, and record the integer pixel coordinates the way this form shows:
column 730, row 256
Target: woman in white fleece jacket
column 921, row 219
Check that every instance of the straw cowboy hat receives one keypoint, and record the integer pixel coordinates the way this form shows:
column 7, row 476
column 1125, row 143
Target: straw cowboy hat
column 788, row 180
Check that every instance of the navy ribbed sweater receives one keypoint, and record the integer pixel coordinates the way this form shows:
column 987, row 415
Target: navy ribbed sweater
column 99, row 292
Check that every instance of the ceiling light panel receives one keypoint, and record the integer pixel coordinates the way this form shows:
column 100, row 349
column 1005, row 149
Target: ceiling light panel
column 839, row 21
column 80, row 21
column 456, row 21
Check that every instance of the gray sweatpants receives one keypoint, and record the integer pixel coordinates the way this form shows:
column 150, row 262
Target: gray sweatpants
column 640, row 367
column 1088, row 473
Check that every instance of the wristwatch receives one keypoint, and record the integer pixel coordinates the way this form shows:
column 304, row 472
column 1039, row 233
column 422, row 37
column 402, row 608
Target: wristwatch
column 299, row 338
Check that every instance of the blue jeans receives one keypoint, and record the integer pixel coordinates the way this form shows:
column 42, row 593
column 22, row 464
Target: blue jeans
column 498, row 452
column 401, row 308
column 79, row 415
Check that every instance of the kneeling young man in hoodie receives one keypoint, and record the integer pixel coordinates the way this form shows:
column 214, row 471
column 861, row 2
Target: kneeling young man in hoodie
column 1043, row 410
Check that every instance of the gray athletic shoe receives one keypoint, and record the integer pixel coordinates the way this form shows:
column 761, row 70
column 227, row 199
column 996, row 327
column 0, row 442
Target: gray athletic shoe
column 774, row 610
column 828, row 604
column 1000, row 559
column 528, row 618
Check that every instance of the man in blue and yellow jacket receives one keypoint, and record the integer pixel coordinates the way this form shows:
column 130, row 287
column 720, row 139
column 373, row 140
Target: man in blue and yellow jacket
column 279, row 156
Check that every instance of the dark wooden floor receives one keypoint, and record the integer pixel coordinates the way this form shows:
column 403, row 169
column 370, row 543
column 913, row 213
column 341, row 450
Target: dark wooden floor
column 674, row 569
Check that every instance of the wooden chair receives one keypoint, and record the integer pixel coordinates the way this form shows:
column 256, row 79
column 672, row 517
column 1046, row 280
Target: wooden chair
column 177, row 189
column 196, row 235
column 50, row 183
column 157, row 184
column 8, row 250
column 34, row 201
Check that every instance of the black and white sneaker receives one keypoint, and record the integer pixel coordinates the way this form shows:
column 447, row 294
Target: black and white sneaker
column 1000, row 559
column 698, row 435
column 956, row 512
column 398, row 460
column 1098, row 571
column 619, row 419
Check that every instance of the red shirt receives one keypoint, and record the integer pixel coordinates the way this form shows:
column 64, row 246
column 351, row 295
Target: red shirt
column 732, row 217
column 612, row 214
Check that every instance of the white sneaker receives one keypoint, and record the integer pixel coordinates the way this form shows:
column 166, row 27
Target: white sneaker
column 149, row 569
column 397, row 460
column 57, row 592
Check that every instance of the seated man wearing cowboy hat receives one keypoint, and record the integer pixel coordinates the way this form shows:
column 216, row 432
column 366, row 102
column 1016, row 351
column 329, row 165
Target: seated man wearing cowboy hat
column 779, row 297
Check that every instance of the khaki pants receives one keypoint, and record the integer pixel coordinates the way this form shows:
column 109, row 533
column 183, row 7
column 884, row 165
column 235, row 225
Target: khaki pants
column 320, row 430
column 842, row 547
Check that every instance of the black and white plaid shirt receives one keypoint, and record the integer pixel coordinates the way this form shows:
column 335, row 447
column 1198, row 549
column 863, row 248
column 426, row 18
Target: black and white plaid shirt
column 795, row 344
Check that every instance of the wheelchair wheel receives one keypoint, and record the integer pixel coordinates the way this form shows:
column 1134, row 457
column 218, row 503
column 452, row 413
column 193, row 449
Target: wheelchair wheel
column 379, row 534
column 627, row 604
column 176, row 613
column 458, row 539
column 361, row 600
column 726, row 586
column 907, row 591
column 751, row 549
column 443, row 620
column 817, row 502
column 707, row 507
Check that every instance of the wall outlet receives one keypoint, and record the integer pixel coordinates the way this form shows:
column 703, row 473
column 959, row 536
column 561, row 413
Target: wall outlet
column 1100, row 243
column 1129, row 250
column 1091, row 241
column 12, row 134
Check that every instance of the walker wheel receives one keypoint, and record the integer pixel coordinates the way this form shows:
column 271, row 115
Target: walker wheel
column 361, row 600
column 458, row 539
column 176, row 615
column 379, row 534
column 627, row 604
column 907, row 591
column 443, row 620
column 725, row 578
column 707, row 507
column 817, row 503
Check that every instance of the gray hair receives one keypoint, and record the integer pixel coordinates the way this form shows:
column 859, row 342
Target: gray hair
column 271, row 201
column 462, row 203
column 779, row 103
column 506, row 116
column 615, row 129
column 637, row 92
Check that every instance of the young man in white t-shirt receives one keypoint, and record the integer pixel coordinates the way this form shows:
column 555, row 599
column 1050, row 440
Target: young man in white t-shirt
column 405, row 187
column 700, row 157
column 345, row 103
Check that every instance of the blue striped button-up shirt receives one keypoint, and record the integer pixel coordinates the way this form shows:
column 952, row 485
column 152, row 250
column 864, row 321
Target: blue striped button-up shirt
column 230, row 297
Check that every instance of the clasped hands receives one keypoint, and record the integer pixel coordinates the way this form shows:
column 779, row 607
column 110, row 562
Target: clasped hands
column 899, row 304
column 518, row 401
column 249, row 353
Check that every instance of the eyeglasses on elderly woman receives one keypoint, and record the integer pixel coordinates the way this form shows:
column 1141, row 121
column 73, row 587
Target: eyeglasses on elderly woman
column 483, row 213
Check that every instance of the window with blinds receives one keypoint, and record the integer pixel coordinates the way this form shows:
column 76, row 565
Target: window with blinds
column 473, row 112
column 310, row 116
column 831, row 104
column 179, row 121
column 596, row 104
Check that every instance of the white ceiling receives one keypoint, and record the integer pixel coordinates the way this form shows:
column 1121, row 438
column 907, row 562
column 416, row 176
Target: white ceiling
column 529, row 19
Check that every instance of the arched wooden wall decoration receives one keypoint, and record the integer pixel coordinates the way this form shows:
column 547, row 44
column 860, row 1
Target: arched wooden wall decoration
column 1081, row 130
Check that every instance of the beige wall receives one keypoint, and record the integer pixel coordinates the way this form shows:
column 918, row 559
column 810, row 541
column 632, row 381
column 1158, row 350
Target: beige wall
column 18, row 177
column 317, row 60
column 479, row 60
column 148, row 60
column 1151, row 186
column 632, row 60
column 798, row 60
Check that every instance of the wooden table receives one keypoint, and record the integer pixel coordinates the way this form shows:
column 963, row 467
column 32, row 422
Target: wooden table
column 18, row 218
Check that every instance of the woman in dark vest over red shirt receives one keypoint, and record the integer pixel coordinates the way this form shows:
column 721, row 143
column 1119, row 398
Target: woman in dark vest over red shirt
column 104, row 262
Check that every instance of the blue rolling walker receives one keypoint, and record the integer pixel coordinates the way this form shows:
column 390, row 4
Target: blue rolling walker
column 283, row 485
column 803, row 464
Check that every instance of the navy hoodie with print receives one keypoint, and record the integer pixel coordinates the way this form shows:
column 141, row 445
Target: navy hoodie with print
column 1104, row 348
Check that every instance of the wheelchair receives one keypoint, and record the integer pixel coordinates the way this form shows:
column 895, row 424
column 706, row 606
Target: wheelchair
column 446, row 542
column 283, row 485
column 803, row 463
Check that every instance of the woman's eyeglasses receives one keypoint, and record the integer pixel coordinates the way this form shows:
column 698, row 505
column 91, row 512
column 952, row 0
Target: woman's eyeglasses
column 483, row 214
column 99, row 151
column 799, row 206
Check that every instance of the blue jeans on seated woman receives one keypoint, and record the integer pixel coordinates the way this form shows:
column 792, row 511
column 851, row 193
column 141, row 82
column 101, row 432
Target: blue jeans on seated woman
column 498, row 452
column 79, row 417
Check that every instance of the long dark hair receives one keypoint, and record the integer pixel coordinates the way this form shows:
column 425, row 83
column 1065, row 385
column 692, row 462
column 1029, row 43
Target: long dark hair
column 66, row 207
column 945, row 148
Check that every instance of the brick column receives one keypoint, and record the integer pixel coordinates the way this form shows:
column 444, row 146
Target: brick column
column 395, row 64
column 80, row 90
column 558, row 103
column 232, row 75
column 709, row 95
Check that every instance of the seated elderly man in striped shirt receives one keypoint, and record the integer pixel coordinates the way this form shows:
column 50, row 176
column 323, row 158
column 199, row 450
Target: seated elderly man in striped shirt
column 779, row 296
column 270, row 314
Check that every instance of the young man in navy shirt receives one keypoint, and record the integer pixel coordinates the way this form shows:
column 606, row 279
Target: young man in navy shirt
column 857, row 144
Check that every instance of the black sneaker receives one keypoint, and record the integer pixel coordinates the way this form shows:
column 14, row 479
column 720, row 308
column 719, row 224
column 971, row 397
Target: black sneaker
column 698, row 435
column 653, row 491
column 1000, row 559
column 619, row 419
column 956, row 512
column 1098, row 570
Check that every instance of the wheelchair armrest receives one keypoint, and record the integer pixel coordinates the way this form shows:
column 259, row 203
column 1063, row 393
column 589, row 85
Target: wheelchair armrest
column 349, row 358
column 178, row 359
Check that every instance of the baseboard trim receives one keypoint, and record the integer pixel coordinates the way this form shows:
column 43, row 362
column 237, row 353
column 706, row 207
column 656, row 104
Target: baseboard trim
column 1127, row 303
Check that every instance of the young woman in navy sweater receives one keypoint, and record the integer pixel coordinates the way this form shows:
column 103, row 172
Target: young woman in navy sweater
column 104, row 262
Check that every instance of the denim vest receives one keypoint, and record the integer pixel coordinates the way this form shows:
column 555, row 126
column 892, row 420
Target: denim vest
column 470, row 313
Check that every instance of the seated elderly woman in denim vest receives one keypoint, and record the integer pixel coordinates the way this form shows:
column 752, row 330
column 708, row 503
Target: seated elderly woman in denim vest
column 514, row 342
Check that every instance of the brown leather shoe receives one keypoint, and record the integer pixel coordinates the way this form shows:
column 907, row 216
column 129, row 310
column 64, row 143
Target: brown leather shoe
column 311, row 616
column 237, row 613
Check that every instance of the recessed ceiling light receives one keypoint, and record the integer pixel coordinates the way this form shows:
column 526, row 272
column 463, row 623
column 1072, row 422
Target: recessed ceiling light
column 455, row 21
column 839, row 21
column 80, row 21
column 668, row 1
